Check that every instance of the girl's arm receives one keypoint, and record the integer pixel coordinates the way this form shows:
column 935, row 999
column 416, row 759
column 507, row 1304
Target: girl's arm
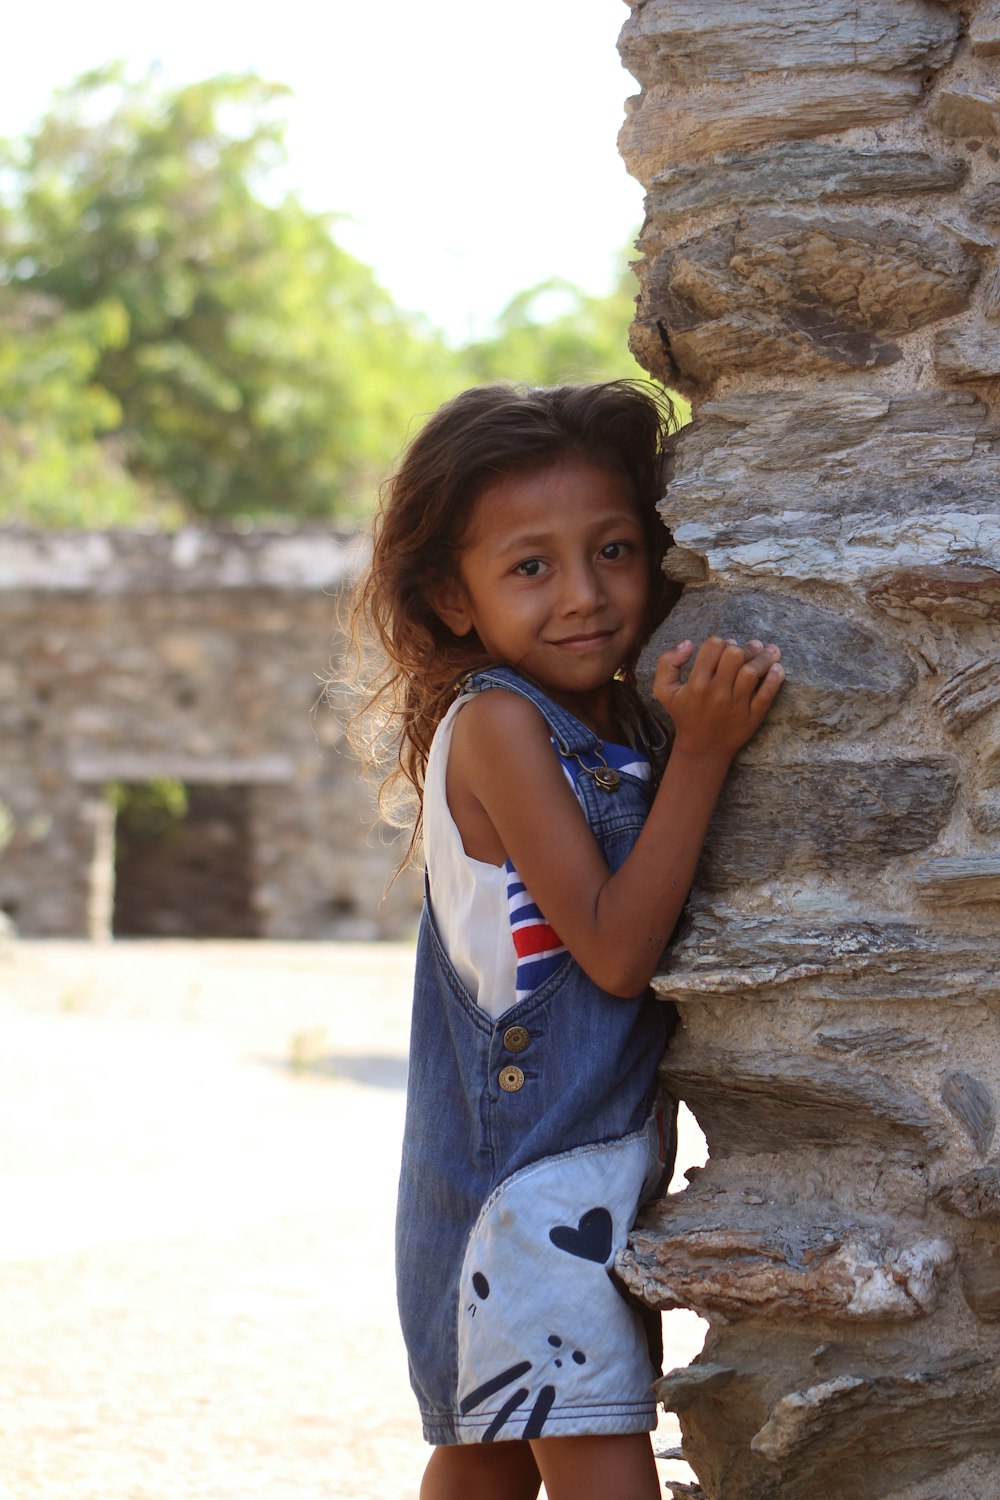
column 509, row 797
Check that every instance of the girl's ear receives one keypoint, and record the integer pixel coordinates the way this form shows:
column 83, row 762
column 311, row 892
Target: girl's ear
column 450, row 603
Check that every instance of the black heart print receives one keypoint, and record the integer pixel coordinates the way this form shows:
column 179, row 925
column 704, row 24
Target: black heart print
column 590, row 1240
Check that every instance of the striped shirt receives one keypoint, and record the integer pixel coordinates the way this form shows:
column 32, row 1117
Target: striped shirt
column 538, row 946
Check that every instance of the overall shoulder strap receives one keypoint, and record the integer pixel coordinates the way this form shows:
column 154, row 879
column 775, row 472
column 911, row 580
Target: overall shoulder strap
column 571, row 737
column 649, row 733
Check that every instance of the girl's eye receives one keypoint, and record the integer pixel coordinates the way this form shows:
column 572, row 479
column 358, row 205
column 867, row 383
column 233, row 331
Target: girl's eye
column 530, row 567
column 614, row 550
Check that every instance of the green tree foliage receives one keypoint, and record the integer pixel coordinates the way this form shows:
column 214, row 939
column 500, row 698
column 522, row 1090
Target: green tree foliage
column 245, row 362
column 54, row 469
column 151, row 809
column 179, row 339
column 555, row 333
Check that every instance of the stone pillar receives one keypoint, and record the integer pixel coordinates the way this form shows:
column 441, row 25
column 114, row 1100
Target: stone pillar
column 820, row 275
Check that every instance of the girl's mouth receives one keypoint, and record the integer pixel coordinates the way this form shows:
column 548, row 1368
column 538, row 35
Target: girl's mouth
column 583, row 642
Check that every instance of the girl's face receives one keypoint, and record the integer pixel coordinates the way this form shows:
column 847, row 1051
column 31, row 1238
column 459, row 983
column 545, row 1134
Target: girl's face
column 554, row 579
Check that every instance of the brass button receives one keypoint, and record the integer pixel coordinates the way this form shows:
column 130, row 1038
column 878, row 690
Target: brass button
column 515, row 1038
column 511, row 1079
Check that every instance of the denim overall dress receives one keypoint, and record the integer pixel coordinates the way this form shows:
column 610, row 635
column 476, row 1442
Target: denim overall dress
column 530, row 1142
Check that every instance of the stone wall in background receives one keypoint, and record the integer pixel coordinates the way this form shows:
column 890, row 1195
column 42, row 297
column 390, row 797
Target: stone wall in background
column 197, row 657
column 820, row 275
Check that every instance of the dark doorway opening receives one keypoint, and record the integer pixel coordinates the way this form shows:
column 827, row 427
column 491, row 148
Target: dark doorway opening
column 183, row 861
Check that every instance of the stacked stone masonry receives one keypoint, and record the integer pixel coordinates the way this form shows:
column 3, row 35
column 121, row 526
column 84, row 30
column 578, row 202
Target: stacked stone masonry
column 820, row 274
column 197, row 657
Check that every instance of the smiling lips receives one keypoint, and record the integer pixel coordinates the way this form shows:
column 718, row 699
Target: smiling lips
column 584, row 642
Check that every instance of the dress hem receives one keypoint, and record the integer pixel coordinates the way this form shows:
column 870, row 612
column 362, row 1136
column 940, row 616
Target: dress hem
column 576, row 1421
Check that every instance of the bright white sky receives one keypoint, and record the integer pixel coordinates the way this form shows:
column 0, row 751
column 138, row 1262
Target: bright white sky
column 472, row 145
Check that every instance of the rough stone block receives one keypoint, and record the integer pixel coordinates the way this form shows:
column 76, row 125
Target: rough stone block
column 677, row 1390
column 882, row 1419
column 970, row 1102
column 970, row 704
column 969, row 694
column 878, row 1043
column 984, row 813
column 797, row 172
column 839, row 676
column 833, row 816
column 837, row 484
column 979, row 1272
column 690, row 358
column 679, row 41
column 960, row 111
column 850, row 1430
column 985, row 744
column 974, row 1195
column 787, row 1269
column 666, row 125
column 959, row 593
column 871, row 1415
column 984, row 203
column 959, row 879
column 991, row 295
column 722, row 954
column 972, row 235
column 781, row 1102
column 968, row 353
column 827, row 289
column 984, row 30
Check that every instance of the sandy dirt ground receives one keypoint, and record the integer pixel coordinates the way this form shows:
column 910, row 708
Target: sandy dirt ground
column 198, row 1151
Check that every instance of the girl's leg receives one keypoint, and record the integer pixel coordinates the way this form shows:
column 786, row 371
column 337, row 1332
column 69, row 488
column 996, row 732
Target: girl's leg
column 482, row 1471
column 598, row 1468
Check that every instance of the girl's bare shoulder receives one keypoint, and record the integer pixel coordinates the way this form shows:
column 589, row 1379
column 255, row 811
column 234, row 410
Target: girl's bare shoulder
column 504, row 781
column 501, row 729
column 499, row 709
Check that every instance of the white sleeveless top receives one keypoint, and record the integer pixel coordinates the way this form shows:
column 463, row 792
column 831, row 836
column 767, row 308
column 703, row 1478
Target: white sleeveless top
column 469, row 896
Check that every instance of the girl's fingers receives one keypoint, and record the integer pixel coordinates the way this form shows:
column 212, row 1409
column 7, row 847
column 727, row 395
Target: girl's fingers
column 758, row 682
column 767, row 690
column 707, row 662
column 748, row 676
column 668, row 668
column 758, row 664
column 731, row 661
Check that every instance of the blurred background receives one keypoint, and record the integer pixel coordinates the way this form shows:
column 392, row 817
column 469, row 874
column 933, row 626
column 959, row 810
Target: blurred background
column 241, row 257
column 243, row 252
column 239, row 254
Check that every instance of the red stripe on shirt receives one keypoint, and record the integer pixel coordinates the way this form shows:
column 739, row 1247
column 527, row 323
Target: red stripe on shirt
column 539, row 937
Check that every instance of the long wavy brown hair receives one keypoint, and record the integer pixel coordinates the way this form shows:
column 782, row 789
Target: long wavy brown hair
column 403, row 661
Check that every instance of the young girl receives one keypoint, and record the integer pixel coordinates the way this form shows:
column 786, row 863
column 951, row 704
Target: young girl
column 515, row 576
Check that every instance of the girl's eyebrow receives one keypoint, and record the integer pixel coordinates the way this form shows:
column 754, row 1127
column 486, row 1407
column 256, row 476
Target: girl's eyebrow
column 523, row 540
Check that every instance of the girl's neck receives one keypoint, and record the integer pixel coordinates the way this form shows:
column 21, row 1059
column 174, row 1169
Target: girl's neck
column 597, row 709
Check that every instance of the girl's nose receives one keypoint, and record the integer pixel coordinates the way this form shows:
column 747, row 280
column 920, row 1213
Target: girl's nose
column 581, row 591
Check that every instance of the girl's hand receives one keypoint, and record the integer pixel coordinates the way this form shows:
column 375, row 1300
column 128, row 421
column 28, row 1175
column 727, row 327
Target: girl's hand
column 728, row 691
